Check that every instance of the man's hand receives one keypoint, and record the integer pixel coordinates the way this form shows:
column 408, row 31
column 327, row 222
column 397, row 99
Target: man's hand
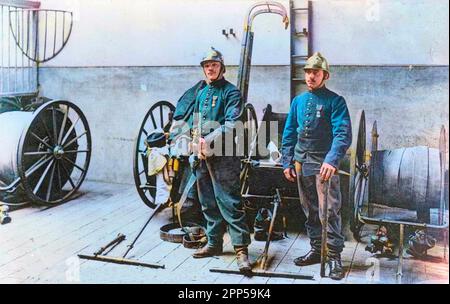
column 290, row 174
column 200, row 149
column 327, row 171
column 203, row 148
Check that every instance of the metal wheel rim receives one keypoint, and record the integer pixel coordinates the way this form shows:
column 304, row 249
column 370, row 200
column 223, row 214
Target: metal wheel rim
column 58, row 162
column 250, row 129
column 357, row 156
column 442, row 156
column 144, row 193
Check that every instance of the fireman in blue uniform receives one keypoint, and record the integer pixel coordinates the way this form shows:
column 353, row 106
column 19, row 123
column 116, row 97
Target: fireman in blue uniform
column 318, row 129
column 219, row 103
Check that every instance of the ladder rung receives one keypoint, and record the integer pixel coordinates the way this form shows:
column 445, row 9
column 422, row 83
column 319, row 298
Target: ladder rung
column 300, row 9
column 301, row 34
column 300, row 56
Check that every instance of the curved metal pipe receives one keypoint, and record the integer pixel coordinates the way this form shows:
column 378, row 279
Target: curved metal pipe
column 279, row 9
column 11, row 187
column 266, row 7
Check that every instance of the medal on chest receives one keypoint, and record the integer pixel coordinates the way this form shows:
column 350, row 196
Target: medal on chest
column 319, row 109
column 214, row 100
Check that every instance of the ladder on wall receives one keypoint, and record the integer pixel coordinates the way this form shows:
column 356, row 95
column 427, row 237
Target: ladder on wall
column 301, row 42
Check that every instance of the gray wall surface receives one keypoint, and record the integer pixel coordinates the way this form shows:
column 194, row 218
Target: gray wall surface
column 410, row 103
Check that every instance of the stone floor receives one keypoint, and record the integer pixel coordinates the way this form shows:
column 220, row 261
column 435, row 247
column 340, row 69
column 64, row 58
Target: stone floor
column 41, row 245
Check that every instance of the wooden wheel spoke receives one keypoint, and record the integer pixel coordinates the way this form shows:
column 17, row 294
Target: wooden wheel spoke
column 63, row 125
column 50, row 185
column 161, row 116
column 37, row 153
column 46, row 129
column 68, row 176
column 153, row 120
column 41, row 140
column 73, row 164
column 60, row 185
column 42, row 178
column 36, row 166
column 55, row 132
column 75, row 139
column 76, row 151
column 70, row 131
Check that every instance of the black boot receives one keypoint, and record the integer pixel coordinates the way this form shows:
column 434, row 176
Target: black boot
column 207, row 251
column 242, row 259
column 311, row 258
column 335, row 264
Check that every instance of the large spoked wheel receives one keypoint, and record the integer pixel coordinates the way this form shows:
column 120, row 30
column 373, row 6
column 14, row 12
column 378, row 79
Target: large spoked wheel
column 158, row 117
column 54, row 152
column 250, row 135
column 358, row 173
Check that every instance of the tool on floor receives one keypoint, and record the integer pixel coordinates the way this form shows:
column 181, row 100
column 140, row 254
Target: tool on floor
column 263, row 258
column 99, row 256
column 380, row 242
column 265, row 254
column 4, row 217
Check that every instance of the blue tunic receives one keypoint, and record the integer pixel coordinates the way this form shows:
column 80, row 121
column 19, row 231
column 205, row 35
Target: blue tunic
column 318, row 129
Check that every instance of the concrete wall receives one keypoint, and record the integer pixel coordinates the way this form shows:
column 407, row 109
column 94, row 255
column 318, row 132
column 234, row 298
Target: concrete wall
column 124, row 57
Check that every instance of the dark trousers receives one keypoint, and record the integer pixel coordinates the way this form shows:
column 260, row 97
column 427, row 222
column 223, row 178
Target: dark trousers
column 218, row 186
column 312, row 193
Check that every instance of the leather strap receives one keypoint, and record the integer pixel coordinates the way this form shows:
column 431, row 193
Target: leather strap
column 174, row 233
column 195, row 238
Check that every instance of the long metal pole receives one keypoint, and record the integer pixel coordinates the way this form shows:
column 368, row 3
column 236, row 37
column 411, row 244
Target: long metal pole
column 400, row 255
column 324, row 246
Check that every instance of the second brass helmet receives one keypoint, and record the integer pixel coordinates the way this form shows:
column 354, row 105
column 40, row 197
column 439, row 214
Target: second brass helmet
column 317, row 62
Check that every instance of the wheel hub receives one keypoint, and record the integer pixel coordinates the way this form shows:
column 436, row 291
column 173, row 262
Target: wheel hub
column 58, row 152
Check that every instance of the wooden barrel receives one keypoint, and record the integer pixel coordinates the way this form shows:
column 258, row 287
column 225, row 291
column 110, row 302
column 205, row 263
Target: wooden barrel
column 408, row 178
